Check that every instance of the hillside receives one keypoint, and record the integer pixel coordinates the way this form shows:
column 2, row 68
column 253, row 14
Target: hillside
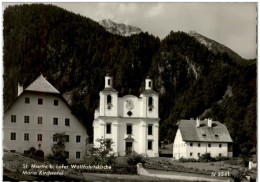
column 215, row 46
column 75, row 52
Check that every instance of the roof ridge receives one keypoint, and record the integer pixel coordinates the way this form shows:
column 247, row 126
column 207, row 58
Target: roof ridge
column 42, row 85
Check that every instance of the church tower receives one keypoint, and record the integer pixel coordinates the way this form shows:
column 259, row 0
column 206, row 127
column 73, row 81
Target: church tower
column 150, row 100
column 108, row 98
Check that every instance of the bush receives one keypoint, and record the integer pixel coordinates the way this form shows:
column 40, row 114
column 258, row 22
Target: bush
column 134, row 158
column 187, row 160
column 221, row 158
column 206, row 158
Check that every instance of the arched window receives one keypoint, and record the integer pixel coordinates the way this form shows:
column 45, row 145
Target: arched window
column 150, row 101
column 109, row 99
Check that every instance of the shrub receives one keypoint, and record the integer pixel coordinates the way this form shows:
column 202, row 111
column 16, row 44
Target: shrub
column 100, row 155
column 206, row 158
column 187, row 160
column 134, row 158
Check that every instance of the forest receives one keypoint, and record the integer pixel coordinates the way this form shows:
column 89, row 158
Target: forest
column 74, row 53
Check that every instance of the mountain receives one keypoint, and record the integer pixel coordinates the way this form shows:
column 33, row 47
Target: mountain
column 215, row 46
column 119, row 28
column 74, row 53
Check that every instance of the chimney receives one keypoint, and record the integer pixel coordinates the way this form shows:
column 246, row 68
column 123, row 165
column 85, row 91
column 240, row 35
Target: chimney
column 20, row 88
column 209, row 122
column 197, row 122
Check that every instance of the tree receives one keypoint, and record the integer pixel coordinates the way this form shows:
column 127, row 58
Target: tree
column 58, row 149
column 102, row 153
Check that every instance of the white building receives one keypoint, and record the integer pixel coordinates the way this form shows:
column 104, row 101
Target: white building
column 130, row 122
column 38, row 113
column 196, row 137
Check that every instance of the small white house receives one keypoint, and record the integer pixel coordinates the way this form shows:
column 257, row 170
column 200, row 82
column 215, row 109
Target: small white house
column 196, row 137
column 38, row 113
column 130, row 122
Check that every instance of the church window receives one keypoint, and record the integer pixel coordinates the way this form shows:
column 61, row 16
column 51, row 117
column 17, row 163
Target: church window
column 150, row 103
column 191, row 154
column 198, row 144
column 108, row 146
column 129, row 113
column 220, row 145
column 129, row 129
column 150, row 84
column 109, row 101
column 150, row 129
column 108, row 81
column 209, row 145
column 191, row 144
column 150, row 145
column 108, row 128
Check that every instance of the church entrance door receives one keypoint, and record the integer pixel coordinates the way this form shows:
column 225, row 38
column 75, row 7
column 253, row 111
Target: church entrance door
column 129, row 147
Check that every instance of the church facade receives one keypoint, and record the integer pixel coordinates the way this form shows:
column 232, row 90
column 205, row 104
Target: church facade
column 129, row 123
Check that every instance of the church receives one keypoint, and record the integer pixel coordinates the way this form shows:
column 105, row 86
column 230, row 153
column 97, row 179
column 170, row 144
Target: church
column 37, row 115
column 129, row 123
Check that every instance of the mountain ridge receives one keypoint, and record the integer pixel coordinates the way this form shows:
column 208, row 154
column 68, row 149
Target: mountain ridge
column 215, row 46
column 119, row 28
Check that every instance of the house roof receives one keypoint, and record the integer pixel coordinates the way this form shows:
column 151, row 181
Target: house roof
column 42, row 85
column 217, row 133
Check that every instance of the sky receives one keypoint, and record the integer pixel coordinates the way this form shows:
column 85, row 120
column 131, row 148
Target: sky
column 231, row 24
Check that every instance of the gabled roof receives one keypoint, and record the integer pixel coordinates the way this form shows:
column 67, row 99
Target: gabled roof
column 217, row 133
column 42, row 85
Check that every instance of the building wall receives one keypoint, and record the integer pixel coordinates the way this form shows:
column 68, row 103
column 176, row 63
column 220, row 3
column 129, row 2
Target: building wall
column 179, row 146
column 47, row 111
column 119, row 134
column 214, row 149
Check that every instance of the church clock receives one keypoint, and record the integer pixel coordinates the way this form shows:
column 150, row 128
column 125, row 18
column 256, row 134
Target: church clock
column 129, row 104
